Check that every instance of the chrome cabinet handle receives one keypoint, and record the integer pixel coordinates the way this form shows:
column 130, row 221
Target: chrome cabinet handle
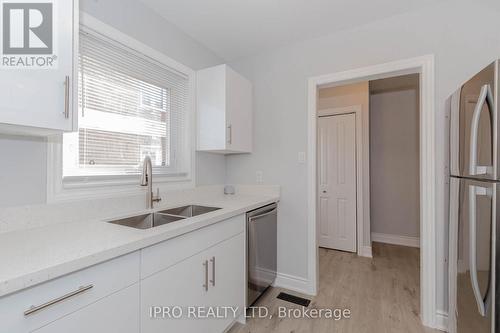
column 205, row 285
column 230, row 139
column 37, row 308
column 213, row 271
column 66, row 97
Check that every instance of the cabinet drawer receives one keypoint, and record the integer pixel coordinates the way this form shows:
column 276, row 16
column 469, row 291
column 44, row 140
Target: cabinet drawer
column 116, row 313
column 102, row 280
column 163, row 255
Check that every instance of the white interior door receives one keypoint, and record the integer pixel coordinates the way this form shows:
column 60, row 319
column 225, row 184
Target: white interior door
column 337, row 182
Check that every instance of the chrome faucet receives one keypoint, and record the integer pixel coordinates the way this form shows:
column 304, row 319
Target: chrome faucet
column 147, row 180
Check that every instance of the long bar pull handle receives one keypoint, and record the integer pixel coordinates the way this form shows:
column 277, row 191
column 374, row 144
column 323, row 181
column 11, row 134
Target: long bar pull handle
column 40, row 307
column 66, row 97
column 481, row 303
column 230, row 136
column 205, row 285
column 486, row 96
column 212, row 281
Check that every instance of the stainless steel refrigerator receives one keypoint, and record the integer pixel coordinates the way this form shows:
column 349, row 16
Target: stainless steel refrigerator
column 474, row 188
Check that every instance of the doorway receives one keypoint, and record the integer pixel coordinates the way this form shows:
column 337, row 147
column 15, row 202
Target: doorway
column 334, row 101
column 424, row 66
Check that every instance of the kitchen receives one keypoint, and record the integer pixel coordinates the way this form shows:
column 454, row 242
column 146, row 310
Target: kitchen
column 242, row 130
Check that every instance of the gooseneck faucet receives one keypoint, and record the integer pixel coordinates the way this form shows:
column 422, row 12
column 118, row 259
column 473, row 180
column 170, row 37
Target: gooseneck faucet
column 147, row 180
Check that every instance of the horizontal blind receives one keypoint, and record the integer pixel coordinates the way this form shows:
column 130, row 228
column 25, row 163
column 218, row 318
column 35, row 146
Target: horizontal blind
column 130, row 106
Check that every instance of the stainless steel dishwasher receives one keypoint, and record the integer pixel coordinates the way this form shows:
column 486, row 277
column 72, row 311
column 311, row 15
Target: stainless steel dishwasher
column 261, row 250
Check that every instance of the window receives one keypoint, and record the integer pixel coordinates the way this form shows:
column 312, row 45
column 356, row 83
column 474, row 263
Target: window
column 129, row 106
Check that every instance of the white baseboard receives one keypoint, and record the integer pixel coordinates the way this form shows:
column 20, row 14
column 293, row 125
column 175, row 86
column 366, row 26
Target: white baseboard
column 264, row 273
column 366, row 251
column 294, row 283
column 395, row 239
column 442, row 320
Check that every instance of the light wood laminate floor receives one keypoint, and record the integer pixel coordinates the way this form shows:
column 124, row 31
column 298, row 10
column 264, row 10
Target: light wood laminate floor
column 382, row 294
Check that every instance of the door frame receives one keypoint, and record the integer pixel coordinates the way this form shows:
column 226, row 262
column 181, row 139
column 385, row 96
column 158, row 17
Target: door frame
column 424, row 66
column 360, row 164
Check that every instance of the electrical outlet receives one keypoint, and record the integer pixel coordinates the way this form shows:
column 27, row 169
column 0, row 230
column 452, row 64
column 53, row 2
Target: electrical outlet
column 259, row 177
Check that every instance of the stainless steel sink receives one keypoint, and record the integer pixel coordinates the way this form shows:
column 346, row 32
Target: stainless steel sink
column 189, row 211
column 147, row 221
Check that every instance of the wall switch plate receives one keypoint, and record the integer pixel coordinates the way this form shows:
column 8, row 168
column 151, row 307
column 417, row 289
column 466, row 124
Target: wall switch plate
column 302, row 157
column 259, row 177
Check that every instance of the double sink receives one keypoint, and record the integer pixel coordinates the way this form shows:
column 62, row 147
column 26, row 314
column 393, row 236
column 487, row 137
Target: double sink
column 147, row 221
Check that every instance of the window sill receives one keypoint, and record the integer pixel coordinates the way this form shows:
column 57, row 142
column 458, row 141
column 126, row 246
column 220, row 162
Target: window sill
column 90, row 188
column 124, row 180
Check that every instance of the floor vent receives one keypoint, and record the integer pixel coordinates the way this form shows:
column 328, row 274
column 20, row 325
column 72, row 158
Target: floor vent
column 294, row 299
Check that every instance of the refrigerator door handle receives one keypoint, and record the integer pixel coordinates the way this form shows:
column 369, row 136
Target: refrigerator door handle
column 482, row 304
column 486, row 96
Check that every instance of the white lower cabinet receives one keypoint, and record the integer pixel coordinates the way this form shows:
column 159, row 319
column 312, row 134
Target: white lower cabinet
column 210, row 280
column 203, row 270
column 115, row 313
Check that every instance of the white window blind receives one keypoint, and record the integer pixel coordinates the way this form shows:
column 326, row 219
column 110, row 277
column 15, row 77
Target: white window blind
column 130, row 106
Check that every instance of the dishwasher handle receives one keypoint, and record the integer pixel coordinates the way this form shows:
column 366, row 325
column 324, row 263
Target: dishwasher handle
column 251, row 218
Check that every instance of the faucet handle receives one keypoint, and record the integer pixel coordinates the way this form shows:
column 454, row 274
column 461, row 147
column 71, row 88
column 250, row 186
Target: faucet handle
column 156, row 198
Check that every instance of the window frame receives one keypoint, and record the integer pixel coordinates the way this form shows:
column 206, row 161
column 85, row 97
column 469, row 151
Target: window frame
column 87, row 187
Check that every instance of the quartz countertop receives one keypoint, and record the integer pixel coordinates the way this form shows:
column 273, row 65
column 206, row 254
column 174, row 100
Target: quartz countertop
column 35, row 255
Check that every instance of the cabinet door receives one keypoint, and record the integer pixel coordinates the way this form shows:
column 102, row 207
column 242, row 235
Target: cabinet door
column 238, row 112
column 228, row 289
column 181, row 285
column 211, row 108
column 38, row 97
column 116, row 313
column 224, row 104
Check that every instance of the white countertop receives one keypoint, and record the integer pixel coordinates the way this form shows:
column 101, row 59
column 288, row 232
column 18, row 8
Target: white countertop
column 32, row 256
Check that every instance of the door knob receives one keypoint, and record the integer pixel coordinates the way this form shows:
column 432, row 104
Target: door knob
column 324, row 191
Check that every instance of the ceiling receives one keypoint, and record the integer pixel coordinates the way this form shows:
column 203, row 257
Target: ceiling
column 239, row 28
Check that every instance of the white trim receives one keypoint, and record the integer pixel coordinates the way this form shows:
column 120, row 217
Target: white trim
column 395, row 239
column 106, row 188
column 361, row 175
column 425, row 67
column 442, row 320
column 291, row 282
column 366, row 251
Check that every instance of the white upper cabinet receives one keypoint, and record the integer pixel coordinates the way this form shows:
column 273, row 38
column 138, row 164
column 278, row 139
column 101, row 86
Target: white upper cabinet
column 224, row 103
column 37, row 69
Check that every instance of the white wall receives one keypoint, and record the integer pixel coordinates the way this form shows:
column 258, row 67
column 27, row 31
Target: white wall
column 343, row 96
column 24, row 173
column 463, row 37
column 210, row 169
column 394, row 157
column 22, row 170
column 145, row 25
